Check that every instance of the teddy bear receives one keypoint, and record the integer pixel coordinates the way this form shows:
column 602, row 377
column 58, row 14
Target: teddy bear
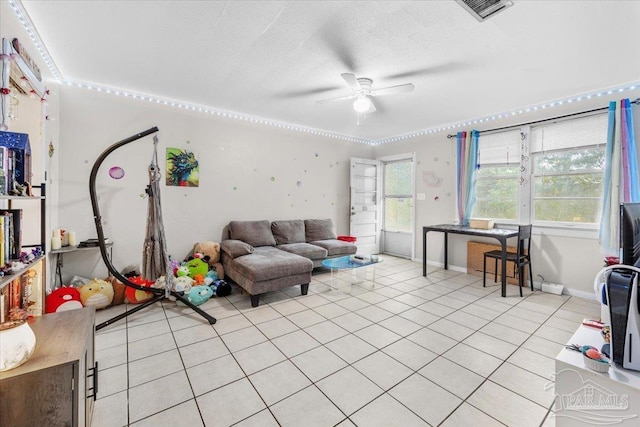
column 212, row 250
column 97, row 293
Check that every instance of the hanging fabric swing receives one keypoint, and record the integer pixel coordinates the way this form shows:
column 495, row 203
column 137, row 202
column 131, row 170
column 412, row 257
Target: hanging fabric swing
column 155, row 258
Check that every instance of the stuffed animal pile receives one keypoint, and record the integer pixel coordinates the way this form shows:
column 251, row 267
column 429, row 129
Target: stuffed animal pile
column 198, row 278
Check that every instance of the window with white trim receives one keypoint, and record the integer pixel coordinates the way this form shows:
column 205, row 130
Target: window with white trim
column 548, row 174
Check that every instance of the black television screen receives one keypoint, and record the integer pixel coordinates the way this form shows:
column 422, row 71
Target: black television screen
column 630, row 233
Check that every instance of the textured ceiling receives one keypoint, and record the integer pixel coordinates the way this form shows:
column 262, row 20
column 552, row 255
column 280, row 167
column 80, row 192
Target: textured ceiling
column 275, row 59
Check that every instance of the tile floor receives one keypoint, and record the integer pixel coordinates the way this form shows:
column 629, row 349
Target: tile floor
column 403, row 351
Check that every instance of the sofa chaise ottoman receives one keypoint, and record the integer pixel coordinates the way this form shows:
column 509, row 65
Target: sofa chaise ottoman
column 260, row 256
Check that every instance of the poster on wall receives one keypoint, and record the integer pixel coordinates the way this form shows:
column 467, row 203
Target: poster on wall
column 182, row 168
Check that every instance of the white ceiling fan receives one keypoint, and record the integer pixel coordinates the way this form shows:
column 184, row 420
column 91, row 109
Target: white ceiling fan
column 363, row 91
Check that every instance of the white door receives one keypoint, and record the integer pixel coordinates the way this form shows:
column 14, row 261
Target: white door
column 398, row 205
column 365, row 205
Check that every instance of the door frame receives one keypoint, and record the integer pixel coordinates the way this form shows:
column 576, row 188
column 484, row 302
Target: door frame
column 389, row 159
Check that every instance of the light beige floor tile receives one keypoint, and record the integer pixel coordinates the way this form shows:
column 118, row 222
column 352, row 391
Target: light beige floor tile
column 409, row 353
column 262, row 314
column 240, row 401
column 194, row 334
column 112, row 356
column 543, row 346
column 552, row 334
column 462, row 295
column 289, row 307
column 353, row 303
column 420, row 316
column 451, row 329
column 331, row 311
column 150, row 346
column 141, row 406
column 517, row 323
column 295, row 343
column 393, row 306
column 318, row 363
column 279, row 381
column 382, row 369
column 214, row 374
column 480, row 311
column 183, row 414
column 146, row 315
column 186, row 321
column 450, row 302
column 436, row 308
column 374, row 313
column 492, row 304
column 452, row 377
column 243, row 338
column 400, row 325
column 313, row 300
column 377, row 336
column 527, row 413
column 258, row 357
column 533, row 362
column 432, row 340
column 325, row 331
column 372, row 297
column 110, row 339
column 387, row 291
column 203, row 351
column 352, row 322
column 232, row 323
column 111, row 411
column 350, row 348
column 410, row 299
column 475, row 360
column 467, row 415
column 532, row 316
column 148, row 330
column 525, row 383
column 562, row 313
column 307, row 408
column 490, row 345
column 154, row 367
column 113, row 380
column 466, row 319
column 261, row 419
column 563, row 324
column 277, row 327
column 385, row 411
column 349, row 390
column 426, row 399
column 425, row 294
column 505, row 333
column 539, row 308
column 346, row 423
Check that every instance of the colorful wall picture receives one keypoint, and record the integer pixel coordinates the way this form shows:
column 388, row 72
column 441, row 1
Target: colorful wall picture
column 182, row 168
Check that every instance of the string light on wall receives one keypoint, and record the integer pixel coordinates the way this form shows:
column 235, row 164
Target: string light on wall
column 33, row 34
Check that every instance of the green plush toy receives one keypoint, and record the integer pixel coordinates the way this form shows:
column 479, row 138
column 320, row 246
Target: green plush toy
column 198, row 265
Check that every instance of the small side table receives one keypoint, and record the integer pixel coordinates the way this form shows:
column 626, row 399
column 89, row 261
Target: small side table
column 65, row 249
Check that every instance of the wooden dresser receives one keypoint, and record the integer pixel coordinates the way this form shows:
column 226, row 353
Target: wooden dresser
column 57, row 385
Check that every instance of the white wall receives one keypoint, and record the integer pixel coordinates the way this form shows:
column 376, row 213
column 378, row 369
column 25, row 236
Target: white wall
column 247, row 172
column 572, row 262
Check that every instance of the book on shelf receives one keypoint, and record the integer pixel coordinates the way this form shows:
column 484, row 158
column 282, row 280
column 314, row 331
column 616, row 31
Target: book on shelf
column 3, row 171
column 15, row 231
column 8, row 239
column 90, row 243
column 2, row 260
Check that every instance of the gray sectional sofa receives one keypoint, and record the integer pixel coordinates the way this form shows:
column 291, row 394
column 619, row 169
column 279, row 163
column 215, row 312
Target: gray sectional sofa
column 263, row 256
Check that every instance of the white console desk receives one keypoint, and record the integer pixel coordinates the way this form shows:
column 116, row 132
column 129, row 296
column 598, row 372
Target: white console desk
column 586, row 397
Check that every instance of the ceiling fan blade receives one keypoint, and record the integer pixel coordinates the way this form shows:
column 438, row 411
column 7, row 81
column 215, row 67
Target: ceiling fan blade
column 407, row 87
column 340, row 98
column 351, row 80
column 305, row 92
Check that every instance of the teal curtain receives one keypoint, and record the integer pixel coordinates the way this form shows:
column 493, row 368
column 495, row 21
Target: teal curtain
column 467, row 167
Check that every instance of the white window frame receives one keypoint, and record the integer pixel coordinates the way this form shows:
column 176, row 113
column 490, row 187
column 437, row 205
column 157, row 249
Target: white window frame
column 525, row 211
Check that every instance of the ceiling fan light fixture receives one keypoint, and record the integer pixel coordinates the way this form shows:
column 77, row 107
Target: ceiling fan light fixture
column 362, row 105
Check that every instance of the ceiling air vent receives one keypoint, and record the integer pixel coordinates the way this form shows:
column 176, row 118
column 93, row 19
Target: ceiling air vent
column 484, row 9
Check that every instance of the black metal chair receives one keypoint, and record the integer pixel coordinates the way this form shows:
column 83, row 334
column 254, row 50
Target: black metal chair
column 521, row 258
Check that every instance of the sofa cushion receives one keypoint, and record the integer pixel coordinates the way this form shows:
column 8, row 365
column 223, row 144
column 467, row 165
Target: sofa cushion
column 288, row 231
column 318, row 229
column 305, row 249
column 235, row 248
column 255, row 233
column 266, row 263
column 336, row 247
